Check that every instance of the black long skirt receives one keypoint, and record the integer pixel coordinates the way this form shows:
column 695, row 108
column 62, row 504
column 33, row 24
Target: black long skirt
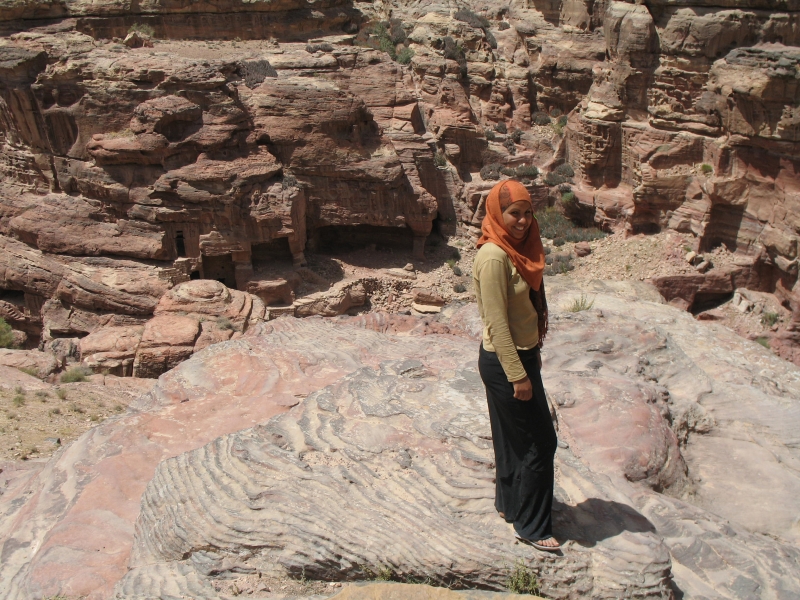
column 524, row 446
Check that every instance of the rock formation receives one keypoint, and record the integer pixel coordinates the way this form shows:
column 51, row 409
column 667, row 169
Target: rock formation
column 384, row 463
column 274, row 128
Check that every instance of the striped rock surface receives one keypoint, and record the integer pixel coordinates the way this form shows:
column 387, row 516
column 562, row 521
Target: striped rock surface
column 382, row 465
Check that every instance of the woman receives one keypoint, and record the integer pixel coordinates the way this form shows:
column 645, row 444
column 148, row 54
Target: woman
column 508, row 273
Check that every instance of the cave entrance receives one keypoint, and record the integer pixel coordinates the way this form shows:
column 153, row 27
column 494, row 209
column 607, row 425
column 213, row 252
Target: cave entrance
column 274, row 251
column 220, row 268
column 180, row 244
column 338, row 238
column 704, row 301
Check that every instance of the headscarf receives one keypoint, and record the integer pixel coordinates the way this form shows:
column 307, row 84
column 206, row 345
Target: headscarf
column 526, row 255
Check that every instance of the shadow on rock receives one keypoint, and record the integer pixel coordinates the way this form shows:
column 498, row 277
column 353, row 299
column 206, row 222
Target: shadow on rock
column 595, row 520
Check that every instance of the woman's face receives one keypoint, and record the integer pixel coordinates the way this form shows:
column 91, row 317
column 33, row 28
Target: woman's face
column 517, row 219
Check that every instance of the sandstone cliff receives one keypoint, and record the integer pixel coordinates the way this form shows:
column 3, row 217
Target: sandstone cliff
column 240, row 132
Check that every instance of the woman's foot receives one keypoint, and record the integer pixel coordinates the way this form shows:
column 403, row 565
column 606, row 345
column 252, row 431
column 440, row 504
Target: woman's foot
column 547, row 545
column 502, row 515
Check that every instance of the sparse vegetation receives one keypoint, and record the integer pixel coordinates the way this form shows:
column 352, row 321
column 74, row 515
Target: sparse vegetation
column 54, row 411
column 42, row 395
column 504, row 25
column 470, row 18
column 405, row 55
column 289, row 181
column 501, row 128
column 568, row 198
column 565, row 169
column 580, row 304
column 224, row 323
column 32, row 371
column 459, row 288
column 769, row 318
column 142, row 28
column 19, row 400
column 555, row 112
column 455, row 51
column 323, row 47
column 764, row 341
column 385, row 36
column 529, row 172
column 541, row 118
column 553, row 179
column 517, row 136
column 77, row 409
column 557, row 264
column 560, row 229
column 439, row 159
column 706, row 169
column 510, row 146
column 522, row 580
column 491, row 171
column 6, row 334
column 61, row 393
column 75, row 375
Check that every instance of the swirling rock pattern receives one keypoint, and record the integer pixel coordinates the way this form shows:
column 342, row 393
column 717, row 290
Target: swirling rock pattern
column 384, row 462
column 390, row 468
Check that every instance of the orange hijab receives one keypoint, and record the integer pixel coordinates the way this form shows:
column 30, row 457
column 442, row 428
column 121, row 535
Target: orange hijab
column 526, row 255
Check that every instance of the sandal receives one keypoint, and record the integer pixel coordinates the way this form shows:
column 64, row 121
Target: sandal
column 538, row 544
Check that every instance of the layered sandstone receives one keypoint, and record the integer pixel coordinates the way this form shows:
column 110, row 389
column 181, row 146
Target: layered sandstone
column 388, row 441
column 205, row 158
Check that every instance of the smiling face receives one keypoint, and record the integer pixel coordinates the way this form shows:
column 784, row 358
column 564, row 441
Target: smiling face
column 518, row 218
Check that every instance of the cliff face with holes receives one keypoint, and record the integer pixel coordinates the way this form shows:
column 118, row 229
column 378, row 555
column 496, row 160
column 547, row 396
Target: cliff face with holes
column 246, row 129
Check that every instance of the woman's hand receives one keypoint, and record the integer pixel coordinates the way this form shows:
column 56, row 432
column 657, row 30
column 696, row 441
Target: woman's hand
column 523, row 390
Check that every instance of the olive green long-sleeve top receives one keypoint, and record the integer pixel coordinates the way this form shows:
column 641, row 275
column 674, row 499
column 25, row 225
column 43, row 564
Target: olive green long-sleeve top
column 509, row 319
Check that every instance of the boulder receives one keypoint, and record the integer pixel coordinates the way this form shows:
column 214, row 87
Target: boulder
column 33, row 362
column 167, row 340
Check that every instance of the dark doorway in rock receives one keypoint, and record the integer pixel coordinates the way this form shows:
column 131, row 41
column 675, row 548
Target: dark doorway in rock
column 707, row 300
column 180, row 244
column 194, row 275
column 220, row 268
column 268, row 253
column 336, row 238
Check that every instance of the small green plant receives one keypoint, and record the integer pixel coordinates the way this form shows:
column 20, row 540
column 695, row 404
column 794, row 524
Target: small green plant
column 439, row 159
column 529, row 172
column 516, row 135
column 522, row 580
column 11, row 415
column 405, row 55
column 459, row 288
column 118, row 408
column 565, row 170
column 289, row 181
column 553, row 179
column 769, row 318
column 77, row 409
column 491, row 172
column 511, row 147
column 6, row 334
column 580, row 304
column 764, row 341
column 75, row 375
column 663, row 148
column 490, row 135
column 142, row 28
column 568, row 198
column 42, row 395
column 706, row 169
column 456, row 254
column 61, row 393
column 224, row 323
column 19, row 400
column 501, row 128
column 451, row 262
column 94, row 418
column 541, row 118
column 54, row 411
column 385, row 574
column 555, row 112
